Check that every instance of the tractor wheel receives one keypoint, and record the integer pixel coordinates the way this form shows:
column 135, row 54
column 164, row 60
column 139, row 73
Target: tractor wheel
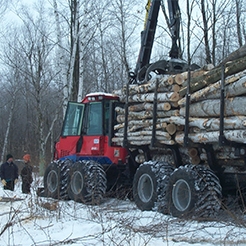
column 56, row 179
column 194, row 191
column 147, row 184
column 87, row 182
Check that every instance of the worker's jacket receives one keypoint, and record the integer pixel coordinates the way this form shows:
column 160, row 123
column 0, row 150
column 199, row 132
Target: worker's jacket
column 9, row 171
column 26, row 174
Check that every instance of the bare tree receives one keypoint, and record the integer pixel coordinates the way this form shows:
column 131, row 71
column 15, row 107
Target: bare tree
column 34, row 47
column 239, row 5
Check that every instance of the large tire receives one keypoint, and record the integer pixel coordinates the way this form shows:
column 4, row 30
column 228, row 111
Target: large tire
column 56, row 179
column 148, row 183
column 166, row 169
column 87, row 182
column 194, row 192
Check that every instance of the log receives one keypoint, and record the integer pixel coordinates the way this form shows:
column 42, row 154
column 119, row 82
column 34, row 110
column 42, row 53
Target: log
column 175, row 88
column 159, row 126
column 170, row 80
column 141, row 126
column 195, row 160
column 143, row 133
column 145, row 123
column 196, row 73
column 235, row 86
column 146, row 115
column 220, row 156
column 140, row 158
column 241, row 52
column 146, row 141
column 214, row 75
column 211, row 108
column 211, row 124
column 179, row 79
column 171, row 128
column 149, row 97
column 163, row 86
column 193, row 152
column 146, row 106
column 213, row 137
column 160, row 106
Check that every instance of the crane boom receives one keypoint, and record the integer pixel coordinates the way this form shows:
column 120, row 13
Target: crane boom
column 175, row 64
column 174, row 26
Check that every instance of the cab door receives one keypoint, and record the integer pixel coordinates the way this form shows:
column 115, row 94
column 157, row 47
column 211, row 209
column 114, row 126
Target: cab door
column 93, row 135
column 71, row 131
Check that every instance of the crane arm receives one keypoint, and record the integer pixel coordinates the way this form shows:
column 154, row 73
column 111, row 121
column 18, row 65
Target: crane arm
column 174, row 26
column 175, row 64
column 148, row 34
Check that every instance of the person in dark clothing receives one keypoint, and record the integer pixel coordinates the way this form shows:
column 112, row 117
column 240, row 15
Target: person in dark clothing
column 9, row 173
column 26, row 175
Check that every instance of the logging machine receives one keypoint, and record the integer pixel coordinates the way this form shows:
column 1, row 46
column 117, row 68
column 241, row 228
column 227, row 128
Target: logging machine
column 88, row 163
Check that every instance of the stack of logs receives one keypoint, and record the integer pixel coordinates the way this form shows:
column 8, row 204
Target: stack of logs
column 204, row 109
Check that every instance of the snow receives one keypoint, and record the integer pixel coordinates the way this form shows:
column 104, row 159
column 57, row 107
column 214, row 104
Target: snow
column 115, row 222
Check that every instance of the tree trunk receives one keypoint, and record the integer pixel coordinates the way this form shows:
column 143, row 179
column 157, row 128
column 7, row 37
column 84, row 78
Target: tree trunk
column 6, row 137
column 61, row 59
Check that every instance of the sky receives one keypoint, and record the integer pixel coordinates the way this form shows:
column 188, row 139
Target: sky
column 30, row 220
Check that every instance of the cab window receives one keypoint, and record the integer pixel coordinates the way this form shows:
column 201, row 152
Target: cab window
column 73, row 120
column 94, row 123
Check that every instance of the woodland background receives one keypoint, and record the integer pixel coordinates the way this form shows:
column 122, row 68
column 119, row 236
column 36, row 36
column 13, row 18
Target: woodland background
column 55, row 51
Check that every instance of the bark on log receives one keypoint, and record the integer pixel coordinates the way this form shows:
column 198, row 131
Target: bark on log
column 211, row 108
column 160, row 106
column 142, row 142
column 145, row 123
column 146, row 115
column 211, row 124
column 143, row 133
column 213, row 137
column 136, row 107
column 214, row 75
column 235, row 85
column 149, row 97
column 197, row 73
column 241, row 52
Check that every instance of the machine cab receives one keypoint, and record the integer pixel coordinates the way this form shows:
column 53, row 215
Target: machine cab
column 88, row 128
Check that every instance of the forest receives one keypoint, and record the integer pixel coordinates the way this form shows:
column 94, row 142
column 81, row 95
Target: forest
column 55, row 51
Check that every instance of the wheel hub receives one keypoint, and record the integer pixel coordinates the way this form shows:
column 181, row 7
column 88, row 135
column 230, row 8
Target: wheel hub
column 181, row 195
column 77, row 182
column 145, row 188
column 52, row 181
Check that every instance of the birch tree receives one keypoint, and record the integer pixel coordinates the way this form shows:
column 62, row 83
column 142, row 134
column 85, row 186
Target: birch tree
column 35, row 51
column 61, row 57
column 12, row 91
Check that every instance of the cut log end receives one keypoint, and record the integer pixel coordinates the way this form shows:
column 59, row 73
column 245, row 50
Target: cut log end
column 179, row 79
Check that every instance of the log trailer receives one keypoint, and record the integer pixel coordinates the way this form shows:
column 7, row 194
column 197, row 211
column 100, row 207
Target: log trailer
column 89, row 161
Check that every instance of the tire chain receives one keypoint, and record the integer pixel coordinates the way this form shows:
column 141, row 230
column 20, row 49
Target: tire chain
column 96, row 182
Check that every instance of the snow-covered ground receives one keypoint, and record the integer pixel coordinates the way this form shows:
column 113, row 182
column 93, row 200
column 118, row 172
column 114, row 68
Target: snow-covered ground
column 44, row 221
